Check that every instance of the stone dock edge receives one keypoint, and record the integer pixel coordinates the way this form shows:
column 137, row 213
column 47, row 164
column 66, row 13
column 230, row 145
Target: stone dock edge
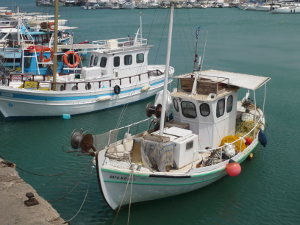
column 13, row 210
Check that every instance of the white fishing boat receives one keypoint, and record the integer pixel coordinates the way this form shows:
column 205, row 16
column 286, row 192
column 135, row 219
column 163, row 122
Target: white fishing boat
column 293, row 9
column 118, row 74
column 206, row 135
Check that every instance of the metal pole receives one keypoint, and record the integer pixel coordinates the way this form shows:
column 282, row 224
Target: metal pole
column 164, row 102
column 141, row 29
column 55, row 45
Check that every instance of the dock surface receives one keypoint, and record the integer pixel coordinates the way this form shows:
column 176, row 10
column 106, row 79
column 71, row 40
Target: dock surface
column 13, row 191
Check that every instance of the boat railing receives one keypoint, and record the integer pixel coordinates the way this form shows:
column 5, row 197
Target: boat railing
column 43, row 79
column 104, row 140
column 240, row 139
column 121, row 42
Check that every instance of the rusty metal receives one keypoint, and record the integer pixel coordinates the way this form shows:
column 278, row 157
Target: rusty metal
column 31, row 199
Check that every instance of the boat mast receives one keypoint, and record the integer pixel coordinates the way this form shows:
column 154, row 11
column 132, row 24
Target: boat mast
column 164, row 100
column 141, row 29
column 55, row 44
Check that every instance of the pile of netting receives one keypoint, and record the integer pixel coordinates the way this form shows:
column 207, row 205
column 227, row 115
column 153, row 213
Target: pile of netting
column 244, row 127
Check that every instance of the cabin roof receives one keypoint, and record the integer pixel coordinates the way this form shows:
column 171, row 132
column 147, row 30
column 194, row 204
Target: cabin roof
column 203, row 97
column 251, row 82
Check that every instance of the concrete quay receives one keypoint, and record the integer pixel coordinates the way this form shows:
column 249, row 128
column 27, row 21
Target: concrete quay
column 13, row 210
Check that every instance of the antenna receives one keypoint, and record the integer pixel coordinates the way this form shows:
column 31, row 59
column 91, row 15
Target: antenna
column 141, row 27
column 200, row 67
column 196, row 59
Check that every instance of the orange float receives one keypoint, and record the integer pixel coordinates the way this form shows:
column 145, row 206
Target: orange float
column 66, row 59
column 233, row 168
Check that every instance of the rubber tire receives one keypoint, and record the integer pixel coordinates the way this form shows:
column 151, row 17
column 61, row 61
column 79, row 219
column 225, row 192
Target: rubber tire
column 117, row 89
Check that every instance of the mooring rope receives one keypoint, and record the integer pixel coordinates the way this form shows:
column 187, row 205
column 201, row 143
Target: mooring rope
column 30, row 172
column 84, row 199
column 129, row 206
column 123, row 197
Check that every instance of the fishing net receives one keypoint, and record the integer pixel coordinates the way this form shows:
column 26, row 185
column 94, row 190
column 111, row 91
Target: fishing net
column 239, row 145
column 157, row 155
column 244, row 127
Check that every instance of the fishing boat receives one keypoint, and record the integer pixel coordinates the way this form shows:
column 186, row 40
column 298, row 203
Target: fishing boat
column 118, row 73
column 14, row 41
column 193, row 137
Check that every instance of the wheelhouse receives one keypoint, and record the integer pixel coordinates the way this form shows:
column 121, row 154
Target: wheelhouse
column 119, row 58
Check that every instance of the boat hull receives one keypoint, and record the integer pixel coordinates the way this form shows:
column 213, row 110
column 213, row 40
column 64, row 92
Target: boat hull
column 121, row 188
column 17, row 102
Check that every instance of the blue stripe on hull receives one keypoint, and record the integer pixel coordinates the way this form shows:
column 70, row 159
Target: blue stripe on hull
column 50, row 98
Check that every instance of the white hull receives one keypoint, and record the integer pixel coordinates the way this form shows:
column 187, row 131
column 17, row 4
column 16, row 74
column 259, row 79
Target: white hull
column 286, row 10
column 151, row 186
column 17, row 102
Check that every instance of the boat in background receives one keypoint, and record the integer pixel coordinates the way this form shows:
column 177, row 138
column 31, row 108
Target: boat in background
column 118, row 73
column 14, row 41
column 6, row 23
column 206, row 136
column 292, row 9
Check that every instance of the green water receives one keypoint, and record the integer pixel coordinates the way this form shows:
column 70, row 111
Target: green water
column 267, row 191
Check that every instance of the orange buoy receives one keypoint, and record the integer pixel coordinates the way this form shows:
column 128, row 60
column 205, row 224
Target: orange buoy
column 233, row 168
column 66, row 59
column 248, row 140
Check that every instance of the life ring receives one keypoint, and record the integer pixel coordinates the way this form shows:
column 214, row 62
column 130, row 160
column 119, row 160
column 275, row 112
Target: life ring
column 117, row 89
column 66, row 60
column 46, row 49
column 41, row 50
column 51, row 25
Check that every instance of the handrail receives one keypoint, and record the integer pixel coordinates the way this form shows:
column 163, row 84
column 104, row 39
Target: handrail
column 127, row 126
column 241, row 138
column 120, row 41
column 32, row 78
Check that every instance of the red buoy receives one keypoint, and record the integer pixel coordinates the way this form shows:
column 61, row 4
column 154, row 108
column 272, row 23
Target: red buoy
column 248, row 140
column 233, row 168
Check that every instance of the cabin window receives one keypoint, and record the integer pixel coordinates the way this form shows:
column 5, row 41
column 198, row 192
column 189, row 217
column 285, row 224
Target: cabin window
column 140, row 58
column 220, row 107
column 117, row 61
column 189, row 145
column 229, row 104
column 91, row 60
column 96, row 58
column 204, row 109
column 127, row 60
column 188, row 109
column 175, row 104
column 103, row 62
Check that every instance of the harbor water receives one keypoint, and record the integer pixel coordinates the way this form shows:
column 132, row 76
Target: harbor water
column 268, row 189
